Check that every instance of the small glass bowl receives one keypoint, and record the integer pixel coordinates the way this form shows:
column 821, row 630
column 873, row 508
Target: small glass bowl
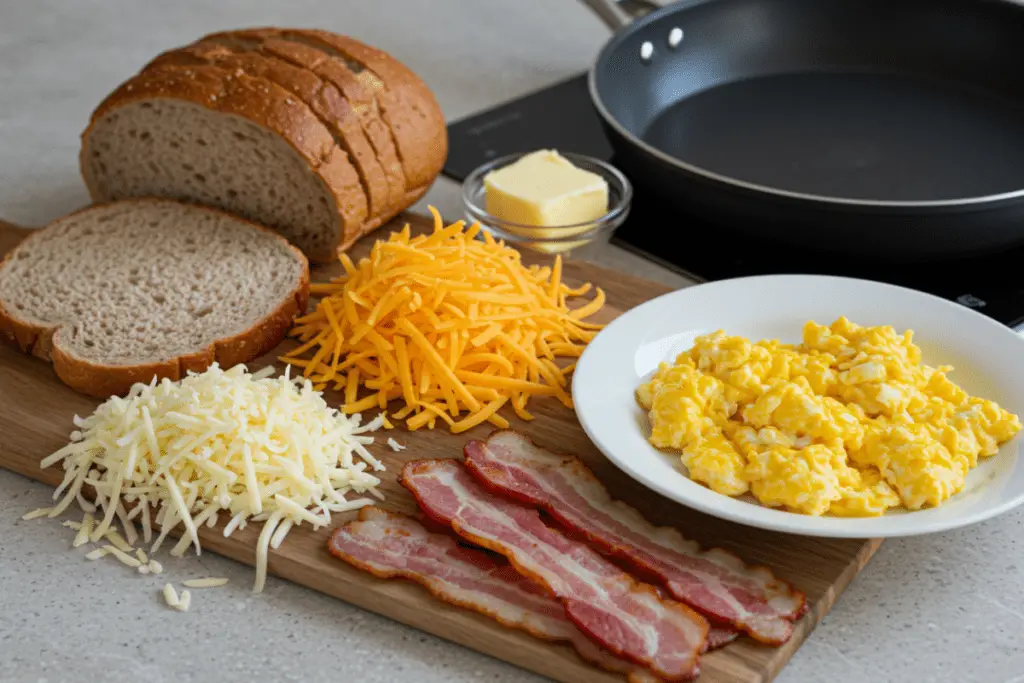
column 550, row 239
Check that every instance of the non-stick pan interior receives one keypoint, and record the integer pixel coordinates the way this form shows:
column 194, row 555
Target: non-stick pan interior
column 885, row 100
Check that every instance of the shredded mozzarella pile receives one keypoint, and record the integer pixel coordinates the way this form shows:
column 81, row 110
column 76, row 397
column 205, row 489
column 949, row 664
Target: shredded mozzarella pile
column 246, row 446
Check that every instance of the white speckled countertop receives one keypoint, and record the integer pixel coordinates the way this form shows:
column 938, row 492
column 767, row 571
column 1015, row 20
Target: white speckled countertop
column 948, row 607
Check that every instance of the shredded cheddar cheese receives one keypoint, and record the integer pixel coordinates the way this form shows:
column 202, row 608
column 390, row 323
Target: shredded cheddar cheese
column 454, row 327
column 225, row 445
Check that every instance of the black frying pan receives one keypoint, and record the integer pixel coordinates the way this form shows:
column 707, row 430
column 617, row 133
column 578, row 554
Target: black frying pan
column 893, row 128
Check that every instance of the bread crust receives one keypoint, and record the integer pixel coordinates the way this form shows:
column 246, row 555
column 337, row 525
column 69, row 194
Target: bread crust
column 264, row 103
column 407, row 105
column 321, row 97
column 362, row 99
column 101, row 380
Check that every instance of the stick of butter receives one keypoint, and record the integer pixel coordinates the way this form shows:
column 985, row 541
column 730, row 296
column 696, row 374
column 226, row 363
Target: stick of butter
column 546, row 190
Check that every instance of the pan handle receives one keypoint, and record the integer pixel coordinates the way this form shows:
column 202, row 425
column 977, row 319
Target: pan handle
column 618, row 14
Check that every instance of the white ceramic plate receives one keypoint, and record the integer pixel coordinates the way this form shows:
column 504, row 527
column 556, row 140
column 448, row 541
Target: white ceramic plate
column 988, row 359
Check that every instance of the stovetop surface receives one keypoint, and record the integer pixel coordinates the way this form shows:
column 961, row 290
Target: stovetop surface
column 561, row 117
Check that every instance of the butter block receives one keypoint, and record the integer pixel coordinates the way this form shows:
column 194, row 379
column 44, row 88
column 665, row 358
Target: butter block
column 545, row 189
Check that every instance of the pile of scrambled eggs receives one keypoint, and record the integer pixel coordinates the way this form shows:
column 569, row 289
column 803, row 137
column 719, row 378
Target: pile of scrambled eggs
column 850, row 422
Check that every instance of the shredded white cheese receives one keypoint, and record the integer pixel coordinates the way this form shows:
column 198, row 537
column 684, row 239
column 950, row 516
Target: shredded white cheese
column 204, row 583
column 118, row 542
column 40, row 512
column 253, row 447
column 123, row 557
column 171, row 596
column 155, row 567
column 84, row 531
column 394, row 445
column 98, row 553
column 184, row 601
column 84, row 504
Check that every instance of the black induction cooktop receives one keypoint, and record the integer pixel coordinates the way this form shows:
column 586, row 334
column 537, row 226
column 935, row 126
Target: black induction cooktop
column 561, row 117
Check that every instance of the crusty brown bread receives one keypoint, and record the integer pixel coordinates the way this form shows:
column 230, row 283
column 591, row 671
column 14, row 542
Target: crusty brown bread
column 380, row 143
column 402, row 100
column 320, row 96
column 117, row 293
column 211, row 136
column 406, row 104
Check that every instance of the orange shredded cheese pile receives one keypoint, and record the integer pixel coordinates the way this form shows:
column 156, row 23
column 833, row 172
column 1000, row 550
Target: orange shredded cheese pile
column 453, row 326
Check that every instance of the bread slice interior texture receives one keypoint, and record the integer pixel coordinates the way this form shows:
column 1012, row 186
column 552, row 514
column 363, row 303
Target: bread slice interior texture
column 322, row 98
column 165, row 147
column 145, row 283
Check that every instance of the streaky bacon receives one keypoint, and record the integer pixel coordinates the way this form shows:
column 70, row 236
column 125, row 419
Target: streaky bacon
column 627, row 618
column 391, row 545
column 714, row 582
column 718, row 636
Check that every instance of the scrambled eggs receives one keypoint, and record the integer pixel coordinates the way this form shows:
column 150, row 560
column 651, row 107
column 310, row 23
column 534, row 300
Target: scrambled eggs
column 850, row 422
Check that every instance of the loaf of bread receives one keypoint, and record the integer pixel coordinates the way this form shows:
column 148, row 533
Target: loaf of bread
column 119, row 293
column 310, row 133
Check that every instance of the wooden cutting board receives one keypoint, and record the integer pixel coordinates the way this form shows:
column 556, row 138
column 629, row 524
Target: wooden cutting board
column 35, row 419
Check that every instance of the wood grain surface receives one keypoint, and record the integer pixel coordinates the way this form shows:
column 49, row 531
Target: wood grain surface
column 36, row 410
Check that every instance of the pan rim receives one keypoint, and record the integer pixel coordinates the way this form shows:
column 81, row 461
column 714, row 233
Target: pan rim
column 609, row 119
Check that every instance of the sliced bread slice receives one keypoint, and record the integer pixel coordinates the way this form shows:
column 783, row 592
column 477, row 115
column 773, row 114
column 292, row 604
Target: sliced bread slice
column 406, row 103
column 391, row 91
column 119, row 293
column 210, row 136
column 321, row 97
column 362, row 99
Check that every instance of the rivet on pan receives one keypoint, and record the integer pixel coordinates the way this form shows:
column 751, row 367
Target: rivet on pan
column 675, row 36
column 646, row 51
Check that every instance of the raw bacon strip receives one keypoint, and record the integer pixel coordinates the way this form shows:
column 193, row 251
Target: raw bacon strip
column 715, row 583
column 626, row 618
column 719, row 637
column 391, row 545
